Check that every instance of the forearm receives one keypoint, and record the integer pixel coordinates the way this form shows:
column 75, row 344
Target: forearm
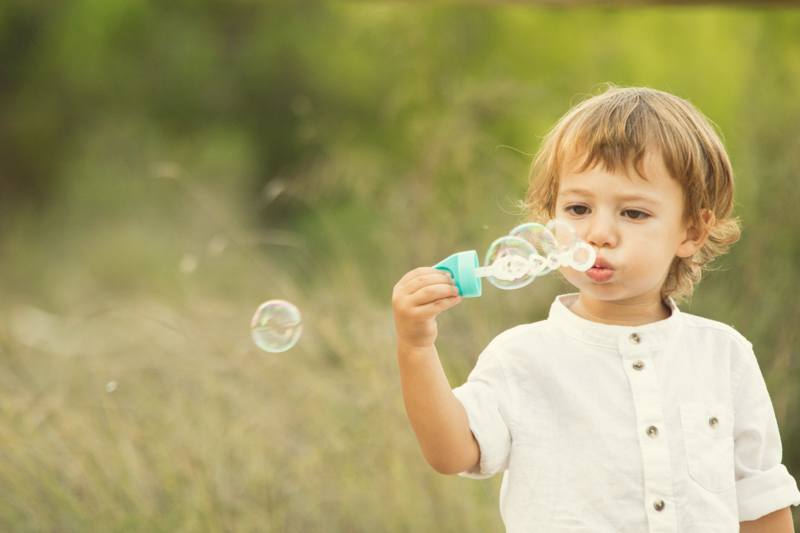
column 439, row 420
column 777, row 522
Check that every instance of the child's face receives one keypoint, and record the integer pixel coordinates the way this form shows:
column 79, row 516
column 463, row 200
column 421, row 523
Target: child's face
column 636, row 227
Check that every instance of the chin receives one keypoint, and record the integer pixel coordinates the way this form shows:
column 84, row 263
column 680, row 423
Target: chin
column 602, row 291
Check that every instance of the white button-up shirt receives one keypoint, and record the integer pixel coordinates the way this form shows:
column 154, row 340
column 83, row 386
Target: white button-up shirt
column 666, row 427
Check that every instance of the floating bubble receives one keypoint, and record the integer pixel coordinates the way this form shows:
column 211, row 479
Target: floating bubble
column 540, row 237
column 511, row 247
column 188, row 264
column 167, row 170
column 276, row 326
column 216, row 246
column 273, row 189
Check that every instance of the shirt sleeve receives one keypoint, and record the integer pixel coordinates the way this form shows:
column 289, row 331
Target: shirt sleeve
column 763, row 485
column 486, row 398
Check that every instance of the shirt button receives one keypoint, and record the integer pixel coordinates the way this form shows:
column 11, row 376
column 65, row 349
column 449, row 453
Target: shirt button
column 652, row 432
column 713, row 421
column 638, row 365
column 634, row 338
column 659, row 505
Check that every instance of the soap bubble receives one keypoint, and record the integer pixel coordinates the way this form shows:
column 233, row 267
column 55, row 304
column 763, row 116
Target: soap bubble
column 540, row 237
column 564, row 233
column 188, row 264
column 276, row 326
column 515, row 247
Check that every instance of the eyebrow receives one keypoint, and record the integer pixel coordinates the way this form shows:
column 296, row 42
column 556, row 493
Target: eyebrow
column 625, row 198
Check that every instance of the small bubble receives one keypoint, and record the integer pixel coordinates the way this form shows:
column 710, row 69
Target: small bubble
column 111, row 386
column 167, row 170
column 276, row 326
column 32, row 326
column 188, row 264
column 216, row 246
column 273, row 189
column 486, row 227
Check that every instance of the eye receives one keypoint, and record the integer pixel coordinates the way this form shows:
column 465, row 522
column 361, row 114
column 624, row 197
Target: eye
column 577, row 210
column 635, row 215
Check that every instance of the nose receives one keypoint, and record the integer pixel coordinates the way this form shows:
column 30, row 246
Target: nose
column 601, row 231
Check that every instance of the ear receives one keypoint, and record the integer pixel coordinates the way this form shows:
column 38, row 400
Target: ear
column 696, row 234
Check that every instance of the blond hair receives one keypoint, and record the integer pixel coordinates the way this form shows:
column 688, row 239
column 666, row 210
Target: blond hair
column 616, row 129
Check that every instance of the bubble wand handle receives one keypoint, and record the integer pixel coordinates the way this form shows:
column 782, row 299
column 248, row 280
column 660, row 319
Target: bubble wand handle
column 462, row 267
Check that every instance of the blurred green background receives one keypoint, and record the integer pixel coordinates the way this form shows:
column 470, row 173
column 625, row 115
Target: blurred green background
column 167, row 167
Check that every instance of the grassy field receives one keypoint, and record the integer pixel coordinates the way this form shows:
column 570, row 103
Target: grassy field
column 137, row 401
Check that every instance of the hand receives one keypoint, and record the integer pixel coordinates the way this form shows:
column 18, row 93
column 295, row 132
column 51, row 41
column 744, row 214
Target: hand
column 417, row 298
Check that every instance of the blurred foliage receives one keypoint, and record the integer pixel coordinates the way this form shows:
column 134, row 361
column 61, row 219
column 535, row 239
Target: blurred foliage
column 315, row 152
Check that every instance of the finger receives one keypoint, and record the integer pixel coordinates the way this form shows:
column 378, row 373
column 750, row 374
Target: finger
column 421, row 271
column 420, row 282
column 422, row 286
column 442, row 304
column 431, row 293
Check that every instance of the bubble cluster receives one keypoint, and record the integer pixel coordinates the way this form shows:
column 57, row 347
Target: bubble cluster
column 532, row 250
column 276, row 326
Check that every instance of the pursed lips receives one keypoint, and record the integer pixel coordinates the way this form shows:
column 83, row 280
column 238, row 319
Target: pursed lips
column 601, row 272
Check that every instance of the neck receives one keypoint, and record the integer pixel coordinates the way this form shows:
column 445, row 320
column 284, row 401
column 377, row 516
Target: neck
column 620, row 313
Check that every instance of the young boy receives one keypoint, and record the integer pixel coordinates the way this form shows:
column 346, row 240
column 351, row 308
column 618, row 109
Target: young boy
column 619, row 413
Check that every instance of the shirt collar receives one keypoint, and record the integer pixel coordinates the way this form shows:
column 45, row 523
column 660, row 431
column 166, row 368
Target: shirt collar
column 650, row 335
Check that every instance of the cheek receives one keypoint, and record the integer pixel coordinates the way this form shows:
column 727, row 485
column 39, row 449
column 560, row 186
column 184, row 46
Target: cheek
column 654, row 265
column 572, row 276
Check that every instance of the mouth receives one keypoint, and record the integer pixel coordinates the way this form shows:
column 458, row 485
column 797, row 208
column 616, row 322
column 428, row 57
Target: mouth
column 600, row 272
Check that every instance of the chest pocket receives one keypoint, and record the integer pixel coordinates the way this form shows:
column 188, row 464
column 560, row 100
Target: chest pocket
column 708, row 434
